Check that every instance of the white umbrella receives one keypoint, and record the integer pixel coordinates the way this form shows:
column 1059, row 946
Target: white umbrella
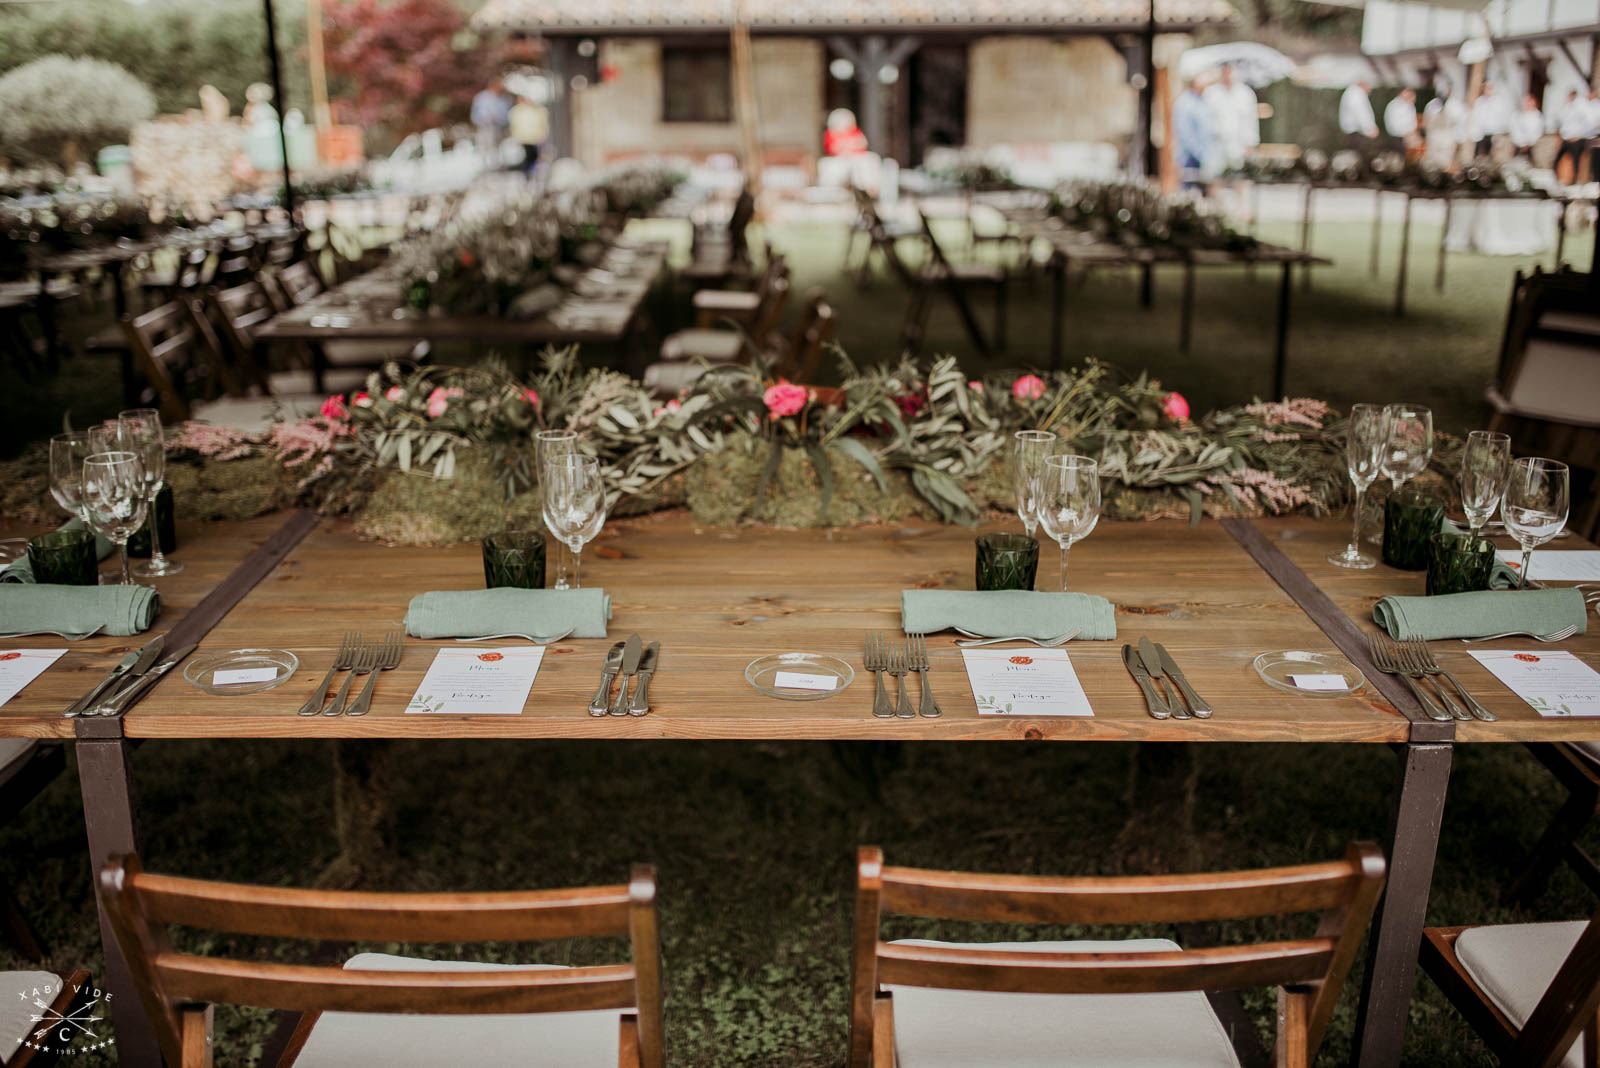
column 1255, row 64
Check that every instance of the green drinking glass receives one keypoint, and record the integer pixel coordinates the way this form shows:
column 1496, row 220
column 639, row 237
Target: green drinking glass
column 1459, row 563
column 64, row 558
column 1007, row 562
column 1410, row 520
column 514, row 558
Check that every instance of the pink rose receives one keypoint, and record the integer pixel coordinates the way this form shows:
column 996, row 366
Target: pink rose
column 975, row 386
column 439, row 400
column 531, row 397
column 784, row 398
column 1176, row 407
column 1028, row 387
column 674, row 404
column 362, row 399
column 394, row 393
column 658, row 413
column 333, row 408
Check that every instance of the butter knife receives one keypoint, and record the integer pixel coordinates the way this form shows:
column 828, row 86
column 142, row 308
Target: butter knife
column 647, row 671
column 1169, row 692
column 137, row 661
column 608, row 672
column 1152, row 700
column 1197, row 705
column 630, row 663
column 119, row 703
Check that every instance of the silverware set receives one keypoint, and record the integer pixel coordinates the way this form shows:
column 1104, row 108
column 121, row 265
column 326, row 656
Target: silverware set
column 635, row 664
column 1412, row 662
column 136, row 673
column 886, row 656
column 1167, row 693
column 360, row 658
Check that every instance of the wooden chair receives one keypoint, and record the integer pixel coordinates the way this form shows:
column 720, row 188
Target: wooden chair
column 195, row 268
column 72, row 992
column 294, row 284
column 738, row 305
column 918, row 1003
column 804, row 352
column 236, row 262
column 541, row 1010
column 956, row 280
column 719, row 254
column 235, row 314
column 178, row 356
column 880, row 235
column 730, row 346
column 1530, row 990
column 1577, row 766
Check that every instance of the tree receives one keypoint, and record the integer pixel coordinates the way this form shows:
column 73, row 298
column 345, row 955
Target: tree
column 65, row 103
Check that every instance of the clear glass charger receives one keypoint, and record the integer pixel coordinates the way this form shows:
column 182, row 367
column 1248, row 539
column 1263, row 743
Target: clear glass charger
column 201, row 671
column 1278, row 669
column 762, row 673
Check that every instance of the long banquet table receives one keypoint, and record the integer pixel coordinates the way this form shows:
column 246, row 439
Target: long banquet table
column 1216, row 595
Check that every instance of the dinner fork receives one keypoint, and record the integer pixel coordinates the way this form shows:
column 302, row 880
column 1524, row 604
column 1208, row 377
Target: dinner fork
column 919, row 663
column 875, row 661
column 366, row 657
column 1043, row 643
column 1382, row 656
column 1429, row 663
column 342, row 660
column 1554, row 636
column 388, row 656
column 899, row 665
column 1407, row 655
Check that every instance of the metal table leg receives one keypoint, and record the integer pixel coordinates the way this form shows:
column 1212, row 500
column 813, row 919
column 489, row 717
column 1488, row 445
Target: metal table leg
column 1397, row 929
column 1305, row 234
column 1374, row 246
column 1280, row 354
column 1405, row 254
column 1444, row 238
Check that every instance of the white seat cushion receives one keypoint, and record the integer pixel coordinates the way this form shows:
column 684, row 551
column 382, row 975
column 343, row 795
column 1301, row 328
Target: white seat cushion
column 13, row 750
column 969, row 1028
column 717, row 346
column 565, row 1039
column 17, row 1013
column 1515, row 963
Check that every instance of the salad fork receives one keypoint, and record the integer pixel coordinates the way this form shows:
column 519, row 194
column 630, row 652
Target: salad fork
column 899, row 665
column 342, row 660
column 1043, row 643
column 365, row 659
column 1424, row 656
column 386, row 657
column 875, row 661
column 1554, row 636
column 1408, row 655
column 919, row 663
column 1383, row 657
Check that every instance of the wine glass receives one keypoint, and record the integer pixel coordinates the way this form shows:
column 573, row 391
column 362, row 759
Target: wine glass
column 574, row 503
column 1029, row 450
column 67, row 453
column 114, row 499
column 1363, row 453
column 548, row 444
column 140, row 432
column 1409, row 444
column 1483, row 476
column 1537, row 497
column 1069, row 501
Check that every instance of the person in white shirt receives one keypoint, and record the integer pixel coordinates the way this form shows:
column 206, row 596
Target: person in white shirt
column 1445, row 123
column 1527, row 126
column 1356, row 120
column 1237, row 119
column 1490, row 118
column 1400, row 121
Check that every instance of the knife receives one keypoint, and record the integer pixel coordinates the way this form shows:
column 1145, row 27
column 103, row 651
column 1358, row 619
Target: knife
column 1152, row 664
column 630, row 664
column 647, row 670
column 608, row 672
column 137, row 661
column 1152, row 700
column 119, row 703
column 1198, row 706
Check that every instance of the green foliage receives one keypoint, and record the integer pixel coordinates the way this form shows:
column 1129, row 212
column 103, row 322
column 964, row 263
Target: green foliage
column 61, row 99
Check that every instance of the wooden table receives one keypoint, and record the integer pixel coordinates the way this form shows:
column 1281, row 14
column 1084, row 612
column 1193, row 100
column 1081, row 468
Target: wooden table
column 1215, row 595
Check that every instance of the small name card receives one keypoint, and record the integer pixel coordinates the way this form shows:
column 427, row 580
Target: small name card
column 478, row 682
column 1320, row 682
column 18, row 667
column 800, row 680
column 1553, row 683
column 239, row 676
column 1039, row 682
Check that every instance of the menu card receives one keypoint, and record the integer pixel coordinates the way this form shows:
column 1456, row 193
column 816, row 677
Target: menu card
column 1554, row 683
column 1556, row 565
column 478, row 682
column 18, row 667
column 1038, row 682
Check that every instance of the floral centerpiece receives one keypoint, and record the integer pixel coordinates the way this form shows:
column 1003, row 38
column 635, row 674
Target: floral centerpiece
column 1133, row 214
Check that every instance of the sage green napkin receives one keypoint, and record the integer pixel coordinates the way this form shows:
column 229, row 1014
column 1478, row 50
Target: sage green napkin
column 20, row 570
column 1008, row 613
column 1477, row 615
column 479, row 613
column 77, row 611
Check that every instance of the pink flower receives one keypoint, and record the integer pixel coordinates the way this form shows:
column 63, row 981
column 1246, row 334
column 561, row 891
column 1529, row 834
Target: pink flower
column 394, row 393
column 531, row 397
column 439, row 400
column 1176, row 407
column 333, row 408
column 362, row 399
column 975, row 386
column 658, row 413
column 674, row 404
column 784, row 399
column 1028, row 387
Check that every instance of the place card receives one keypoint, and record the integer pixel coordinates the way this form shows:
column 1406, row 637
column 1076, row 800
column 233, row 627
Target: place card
column 1554, row 683
column 1039, row 682
column 478, row 682
column 240, row 676
column 801, row 680
column 18, row 667
column 1556, row 565
column 1321, row 682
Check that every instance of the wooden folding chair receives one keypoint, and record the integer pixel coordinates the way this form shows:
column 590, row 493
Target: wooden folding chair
column 177, row 354
column 799, row 362
column 738, row 305
column 730, row 346
column 389, row 1010
column 881, row 235
column 22, row 1042
column 917, row 1003
column 295, row 283
column 196, row 267
column 956, row 280
column 236, row 313
column 720, row 254
column 1530, row 990
column 1577, row 766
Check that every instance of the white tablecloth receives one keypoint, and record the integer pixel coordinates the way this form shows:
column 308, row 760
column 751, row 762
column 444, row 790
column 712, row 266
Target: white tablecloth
column 1501, row 227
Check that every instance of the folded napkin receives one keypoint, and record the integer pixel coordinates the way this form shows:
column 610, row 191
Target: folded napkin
column 31, row 608
column 1477, row 615
column 1008, row 613
column 20, row 570
column 504, row 610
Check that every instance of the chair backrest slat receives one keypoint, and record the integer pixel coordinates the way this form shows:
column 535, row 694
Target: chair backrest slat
column 177, row 352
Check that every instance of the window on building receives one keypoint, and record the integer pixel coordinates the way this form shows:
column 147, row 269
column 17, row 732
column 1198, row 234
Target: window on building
column 696, row 83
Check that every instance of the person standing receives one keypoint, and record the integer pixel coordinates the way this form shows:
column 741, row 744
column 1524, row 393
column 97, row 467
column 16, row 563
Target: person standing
column 1489, row 119
column 1573, row 128
column 1195, row 128
column 1444, row 122
column 1356, row 120
column 1236, row 115
column 1527, row 126
column 491, row 115
column 1400, row 122
column 530, row 127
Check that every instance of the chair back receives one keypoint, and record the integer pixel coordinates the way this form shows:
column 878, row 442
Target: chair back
column 236, row 262
column 177, row 353
column 935, row 249
column 236, row 312
column 769, row 309
column 297, row 283
column 815, row 331
column 1550, row 353
column 178, row 989
column 1308, row 971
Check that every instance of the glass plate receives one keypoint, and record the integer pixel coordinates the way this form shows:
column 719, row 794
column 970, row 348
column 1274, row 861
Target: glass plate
column 762, row 674
column 1276, row 669
column 201, row 671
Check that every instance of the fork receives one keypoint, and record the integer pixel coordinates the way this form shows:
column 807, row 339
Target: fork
column 387, row 657
column 366, row 657
column 919, row 664
column 875, row 660
column 1383, row 657
column 1406, row 653
column 1043, row 643
column 899, row 665
column 1554, row 636
column 342, row 660
column 1423, row 654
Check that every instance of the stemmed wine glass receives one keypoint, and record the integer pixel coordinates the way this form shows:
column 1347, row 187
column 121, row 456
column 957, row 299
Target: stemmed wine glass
column 1537, row 498
column 114, row 499
column 67, row 453
column 1483, row 476
column 1363, row 453
column 574, row 503
column 139, row 430
column 1069, row 501
column 1409, row 444
column 1029, row 451
column 548, row 444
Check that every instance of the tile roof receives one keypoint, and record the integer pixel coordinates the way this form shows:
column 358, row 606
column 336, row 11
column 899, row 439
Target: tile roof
column 558, row 16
